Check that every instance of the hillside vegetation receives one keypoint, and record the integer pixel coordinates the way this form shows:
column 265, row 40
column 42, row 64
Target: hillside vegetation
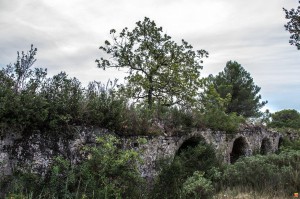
column 162, row 94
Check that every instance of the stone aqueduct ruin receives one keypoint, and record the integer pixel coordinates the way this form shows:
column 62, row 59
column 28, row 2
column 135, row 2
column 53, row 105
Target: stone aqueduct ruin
column 229, row 147
column 38, row 150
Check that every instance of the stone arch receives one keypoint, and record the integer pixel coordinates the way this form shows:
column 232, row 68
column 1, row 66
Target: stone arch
column 280, row 143
column 240, row 148
column 196, row 153
column 190, row 142
column 266, row 146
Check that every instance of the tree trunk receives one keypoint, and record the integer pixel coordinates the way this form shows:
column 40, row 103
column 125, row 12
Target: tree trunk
column 150, row 93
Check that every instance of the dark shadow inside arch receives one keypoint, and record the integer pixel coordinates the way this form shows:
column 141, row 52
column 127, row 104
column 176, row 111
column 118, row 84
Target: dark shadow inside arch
column 239, row 148
column 193, row 154
column 266, row 146
column 191, row 143
column 280, row 143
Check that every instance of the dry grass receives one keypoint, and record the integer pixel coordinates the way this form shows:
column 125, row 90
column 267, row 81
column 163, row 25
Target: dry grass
column 239, row 193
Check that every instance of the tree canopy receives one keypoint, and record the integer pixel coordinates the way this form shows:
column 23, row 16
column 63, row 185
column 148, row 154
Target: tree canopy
column 286, row 118
column 237, row 82
column 160, row 70
column 293, row 25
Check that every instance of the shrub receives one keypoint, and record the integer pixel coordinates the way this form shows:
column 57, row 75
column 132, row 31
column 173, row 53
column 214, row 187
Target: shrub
column 169, row 184
column 108, row 172
column 290, row 145
column 272, row 172
column 197, row 186
column 103, row 107
column 219, row 120
column 64, row 96
column 111, row 172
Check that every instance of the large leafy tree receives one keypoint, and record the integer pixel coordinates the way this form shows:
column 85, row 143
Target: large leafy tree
column 160, row 70
column 237, row 82
column 293, row 25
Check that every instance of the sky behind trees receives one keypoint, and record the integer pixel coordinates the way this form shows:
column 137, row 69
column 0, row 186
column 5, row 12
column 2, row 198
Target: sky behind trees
column 68, row 34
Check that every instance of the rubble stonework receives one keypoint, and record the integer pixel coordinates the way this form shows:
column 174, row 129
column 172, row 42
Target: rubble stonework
column 37, row 151
column 166, row 146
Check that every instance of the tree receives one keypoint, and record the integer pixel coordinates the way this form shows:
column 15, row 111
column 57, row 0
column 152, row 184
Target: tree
column 286, row 118
column 237, row 82
column 160, row 70
column 64, row 96
column 214, row 109
column 20, row 102
column 21, row 73
column 293, row 25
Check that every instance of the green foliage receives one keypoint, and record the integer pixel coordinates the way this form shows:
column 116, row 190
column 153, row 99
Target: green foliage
column 108, row 172
column 172, row 177
column 293, row 25
column 153, row 60
column 111, row 172
column 62, row 179
column 214, row 107
column 285, row 119
column 237, row 83
column 218, row 120
column 265, row 119
column 59, row 182
column 197, row 186
column 272, row 172
column 138, row 121
column 20, row 105
column 211, row 99
column 31, row 101
column 290, row 145
column 104, row 107
column 64, row 96
column 202, row 157
column 177, row 120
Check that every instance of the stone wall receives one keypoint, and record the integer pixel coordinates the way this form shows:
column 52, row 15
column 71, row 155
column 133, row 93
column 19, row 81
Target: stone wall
column 167, row 146
column 37, row 150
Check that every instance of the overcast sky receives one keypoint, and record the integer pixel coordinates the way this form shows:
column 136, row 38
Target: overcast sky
column 68, row 34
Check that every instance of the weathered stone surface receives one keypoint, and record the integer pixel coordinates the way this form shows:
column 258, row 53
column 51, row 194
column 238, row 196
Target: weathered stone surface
column 36, row 151
column 167, row 146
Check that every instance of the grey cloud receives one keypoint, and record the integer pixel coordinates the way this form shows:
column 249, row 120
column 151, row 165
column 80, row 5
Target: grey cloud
column 69, row 33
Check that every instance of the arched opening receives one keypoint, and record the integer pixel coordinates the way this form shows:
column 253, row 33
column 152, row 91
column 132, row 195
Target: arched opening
column 266, row 146
column 190, row 143
column 193, row 154
column 280, row 143
column 240, row 148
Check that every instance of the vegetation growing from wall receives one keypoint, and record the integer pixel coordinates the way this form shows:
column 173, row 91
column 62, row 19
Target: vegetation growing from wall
column 162, row 92
column 169, row 96
column 108, row 172
column 32, row 101
column 111, row 172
